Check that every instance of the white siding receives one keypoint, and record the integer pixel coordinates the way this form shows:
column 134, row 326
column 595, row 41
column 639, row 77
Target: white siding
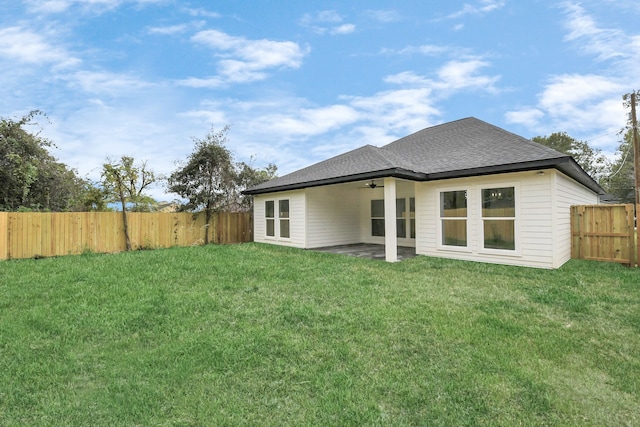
column 332, row 216
column 297, row 219
column 534, row 243
column 567, row 193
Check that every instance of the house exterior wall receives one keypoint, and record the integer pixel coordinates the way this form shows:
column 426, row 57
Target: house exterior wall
column 332, row 214
column 567, row 193
column 341, row 214
column 297, row 218
column 542, row 232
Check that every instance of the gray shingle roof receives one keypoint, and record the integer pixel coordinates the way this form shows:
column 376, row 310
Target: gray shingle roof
column 466, row 147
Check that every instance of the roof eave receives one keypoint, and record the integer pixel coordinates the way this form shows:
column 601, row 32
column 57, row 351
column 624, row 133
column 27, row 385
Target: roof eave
column 567, row 165
column 392, row 172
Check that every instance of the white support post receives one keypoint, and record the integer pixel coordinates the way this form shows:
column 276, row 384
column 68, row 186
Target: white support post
column 390, row 232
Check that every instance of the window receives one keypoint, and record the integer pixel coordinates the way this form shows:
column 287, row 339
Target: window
column 277, row 222
column 377, row 218
column 453, row 217
column 412, row 218
column 284, row 218
column 401, row 221
column 498, row 217
column 269, row 214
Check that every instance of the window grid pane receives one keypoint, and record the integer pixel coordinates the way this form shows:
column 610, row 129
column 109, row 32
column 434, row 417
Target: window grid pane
column 269, row 209
column 401, row 228
column 377, row 227
column 499, row 234
column 284, row 228
column 498, row 202
column 454, row 232
column 284, row 208
column 377, row 209
column 453, row 204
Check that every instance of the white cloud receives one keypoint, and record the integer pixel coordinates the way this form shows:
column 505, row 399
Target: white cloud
column 326, row 21
column 58, row 6
column 383, row 15
column 175, row 29
column 202, row 12
column 529, row 117
column 408, row 78
column 480, row 8
column 244, row 60
column 308, row 122
column 343, row 29
column 456, row 75
column 24, row 45
column 427, row 49
column 584, row 103
column 605, row 43
column 106, row 83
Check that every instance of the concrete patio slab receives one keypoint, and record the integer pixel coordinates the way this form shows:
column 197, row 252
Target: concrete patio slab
column 366, row 250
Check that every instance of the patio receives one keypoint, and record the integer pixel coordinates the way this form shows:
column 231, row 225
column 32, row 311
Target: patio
column 366, row 250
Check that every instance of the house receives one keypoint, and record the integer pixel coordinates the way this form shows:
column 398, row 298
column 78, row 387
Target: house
column 466, row 190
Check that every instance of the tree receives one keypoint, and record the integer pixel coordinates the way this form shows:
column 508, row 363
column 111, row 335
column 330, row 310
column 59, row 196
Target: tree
column 31, row 178
column 621, row 181
column 207, row 180
column 590, row 159
column 248, row 176
column 95, row 198
column 125, row 183
column 211, row 181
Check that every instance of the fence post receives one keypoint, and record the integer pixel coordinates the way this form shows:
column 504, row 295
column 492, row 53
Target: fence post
column 634, row 256
column 4, row 235
column 579, row 218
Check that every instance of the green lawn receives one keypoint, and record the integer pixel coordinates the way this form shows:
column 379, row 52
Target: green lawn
column 260, row 335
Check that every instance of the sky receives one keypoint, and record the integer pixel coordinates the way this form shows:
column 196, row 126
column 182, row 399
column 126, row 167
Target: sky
column 298, row 82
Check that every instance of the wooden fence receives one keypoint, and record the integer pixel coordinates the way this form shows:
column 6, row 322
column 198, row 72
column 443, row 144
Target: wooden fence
column 28, row 235
column 603, row 233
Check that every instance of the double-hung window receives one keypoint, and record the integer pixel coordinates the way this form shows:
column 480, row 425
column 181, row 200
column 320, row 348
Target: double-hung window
column 401, row 220
column 270, row 216
column 284, row 218
column 377, row 218
column 499, row 218
column 453, row 218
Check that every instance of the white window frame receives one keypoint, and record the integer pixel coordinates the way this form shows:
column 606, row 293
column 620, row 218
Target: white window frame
column 277, row 218
column 269, row 218
column 517, row 235
column 440, row 233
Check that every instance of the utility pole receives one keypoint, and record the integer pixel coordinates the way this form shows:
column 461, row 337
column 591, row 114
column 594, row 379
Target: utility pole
column 636, row 170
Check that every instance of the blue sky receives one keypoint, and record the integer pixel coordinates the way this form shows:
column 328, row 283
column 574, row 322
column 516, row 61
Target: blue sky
column 301, row 81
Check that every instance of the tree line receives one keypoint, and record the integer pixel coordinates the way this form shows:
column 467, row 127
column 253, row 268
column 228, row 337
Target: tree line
column 32, row 179
column 615, row 176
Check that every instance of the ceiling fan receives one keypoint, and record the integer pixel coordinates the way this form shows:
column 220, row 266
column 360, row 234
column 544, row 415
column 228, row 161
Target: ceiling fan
column 372, row 185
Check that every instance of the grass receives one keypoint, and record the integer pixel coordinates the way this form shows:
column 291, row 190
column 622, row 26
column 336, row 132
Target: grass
column 260, row 335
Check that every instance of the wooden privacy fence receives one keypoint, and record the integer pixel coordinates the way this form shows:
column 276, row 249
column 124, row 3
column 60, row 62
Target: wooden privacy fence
column 603, row 233
column 28, row 235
